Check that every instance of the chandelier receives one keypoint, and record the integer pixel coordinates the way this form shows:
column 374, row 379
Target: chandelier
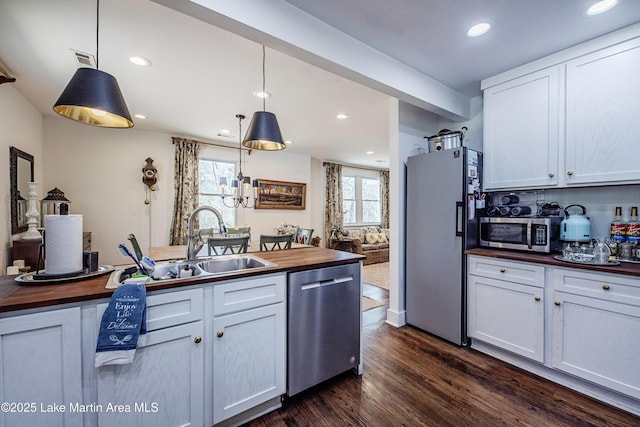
column 242, row 184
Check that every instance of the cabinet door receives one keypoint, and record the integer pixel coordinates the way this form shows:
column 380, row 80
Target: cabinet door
column 597, row 340
column 603, row 110
column 507, row 315
column 162, row 387
column 41, row 365
column 248, row 359
column 521, row 133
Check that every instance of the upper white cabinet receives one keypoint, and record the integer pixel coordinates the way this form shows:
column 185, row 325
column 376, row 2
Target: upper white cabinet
column 572, row 123
column 521, row 131
column 603, row 111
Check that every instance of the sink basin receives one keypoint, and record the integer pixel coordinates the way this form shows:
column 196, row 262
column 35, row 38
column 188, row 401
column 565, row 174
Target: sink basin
column 224, row 264
column 169, row 270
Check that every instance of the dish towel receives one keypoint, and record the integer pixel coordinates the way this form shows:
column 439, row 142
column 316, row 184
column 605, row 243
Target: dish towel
column 123, row 326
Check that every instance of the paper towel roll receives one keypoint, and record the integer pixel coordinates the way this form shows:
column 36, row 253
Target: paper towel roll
column 62, row 244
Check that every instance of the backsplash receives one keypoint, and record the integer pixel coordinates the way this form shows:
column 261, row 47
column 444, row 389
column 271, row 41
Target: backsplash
column 600, row 203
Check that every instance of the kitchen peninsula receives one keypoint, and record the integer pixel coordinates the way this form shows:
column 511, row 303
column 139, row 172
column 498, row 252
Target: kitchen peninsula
column 204, row 334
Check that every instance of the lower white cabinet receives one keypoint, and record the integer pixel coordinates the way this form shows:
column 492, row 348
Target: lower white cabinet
column 596, row 337
column 165, row 383
column 249, row 344
column 41, row 369
column 577, row 327
column 508, row 315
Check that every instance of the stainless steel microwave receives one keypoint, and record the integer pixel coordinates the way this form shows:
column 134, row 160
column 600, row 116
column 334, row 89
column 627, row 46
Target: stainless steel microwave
column 533, row 234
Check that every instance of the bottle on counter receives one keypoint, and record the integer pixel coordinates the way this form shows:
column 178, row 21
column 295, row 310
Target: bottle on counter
column 633, row 227
column 618, row 228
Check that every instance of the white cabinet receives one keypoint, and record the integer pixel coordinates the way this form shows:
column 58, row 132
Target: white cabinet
column 603, row 110
column 595, row 328
column 521, row 133
column 165, row 383
column 249, row 348
column 507, row 313
column 569, row 124
column 41, row 368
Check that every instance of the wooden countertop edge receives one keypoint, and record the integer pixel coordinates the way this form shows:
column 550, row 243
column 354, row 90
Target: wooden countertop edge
column 15, row 297
column 628, row 269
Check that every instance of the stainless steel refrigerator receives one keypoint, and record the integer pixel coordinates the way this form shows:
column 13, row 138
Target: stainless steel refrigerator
column 441, row 223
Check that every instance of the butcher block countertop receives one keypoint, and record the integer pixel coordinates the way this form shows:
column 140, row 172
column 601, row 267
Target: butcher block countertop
column 626, row 268
column 19, row 297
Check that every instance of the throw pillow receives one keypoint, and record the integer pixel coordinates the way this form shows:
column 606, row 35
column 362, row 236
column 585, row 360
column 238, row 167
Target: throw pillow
column 371, row 238
column 381, row 238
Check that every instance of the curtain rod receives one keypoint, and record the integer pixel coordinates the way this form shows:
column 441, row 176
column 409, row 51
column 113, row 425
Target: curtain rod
column 354, row 167
column 212, row 144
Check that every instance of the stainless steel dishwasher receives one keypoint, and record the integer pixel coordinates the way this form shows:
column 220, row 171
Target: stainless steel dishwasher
column 324, row 325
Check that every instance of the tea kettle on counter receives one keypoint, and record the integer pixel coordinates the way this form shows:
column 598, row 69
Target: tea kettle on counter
column 575, row 227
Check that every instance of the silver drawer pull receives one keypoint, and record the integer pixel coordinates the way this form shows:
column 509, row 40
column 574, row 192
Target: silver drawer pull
column 606, row 287
column 502, row 270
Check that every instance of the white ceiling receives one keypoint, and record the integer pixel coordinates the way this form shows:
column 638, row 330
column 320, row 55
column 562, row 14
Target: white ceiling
column 203, row 76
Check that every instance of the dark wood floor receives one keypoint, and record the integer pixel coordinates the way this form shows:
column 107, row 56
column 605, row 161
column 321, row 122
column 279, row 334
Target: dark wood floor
column 412, row 378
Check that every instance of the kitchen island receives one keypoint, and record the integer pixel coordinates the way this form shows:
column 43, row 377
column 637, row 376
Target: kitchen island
column 215, row 350
column 575, row 324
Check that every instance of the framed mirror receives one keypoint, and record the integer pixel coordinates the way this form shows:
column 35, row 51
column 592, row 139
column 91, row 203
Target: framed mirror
column 20, row 175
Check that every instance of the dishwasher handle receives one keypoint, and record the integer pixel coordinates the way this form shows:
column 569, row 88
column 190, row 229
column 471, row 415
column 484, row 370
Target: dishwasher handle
column 329, row 282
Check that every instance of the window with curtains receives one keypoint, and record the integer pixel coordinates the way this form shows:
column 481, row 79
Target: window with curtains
column 361, row 200
column 210, row 171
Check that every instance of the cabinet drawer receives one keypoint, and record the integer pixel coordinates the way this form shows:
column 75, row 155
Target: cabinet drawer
column 608, row 287
column 170, row 309
column 512, row 271
column 245, row 294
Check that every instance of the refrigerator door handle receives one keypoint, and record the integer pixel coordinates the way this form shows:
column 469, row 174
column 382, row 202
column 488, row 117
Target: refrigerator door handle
column 459, row 216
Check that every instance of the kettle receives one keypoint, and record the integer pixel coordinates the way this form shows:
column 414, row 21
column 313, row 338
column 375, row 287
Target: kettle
column 575, row 227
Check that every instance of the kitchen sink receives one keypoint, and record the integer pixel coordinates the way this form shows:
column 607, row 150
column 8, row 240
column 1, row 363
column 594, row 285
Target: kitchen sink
column 217, row 265
column 224, row 264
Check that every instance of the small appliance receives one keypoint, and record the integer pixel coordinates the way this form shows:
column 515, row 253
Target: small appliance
column 575, row 227
column 532, row 234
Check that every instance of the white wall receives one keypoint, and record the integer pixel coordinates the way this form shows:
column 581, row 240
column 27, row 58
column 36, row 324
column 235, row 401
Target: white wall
column 21, row 126
column 99, row 170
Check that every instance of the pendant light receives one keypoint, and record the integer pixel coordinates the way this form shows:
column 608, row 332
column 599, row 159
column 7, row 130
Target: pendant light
column 263, row 132
column 242, row 183
column 93, row 96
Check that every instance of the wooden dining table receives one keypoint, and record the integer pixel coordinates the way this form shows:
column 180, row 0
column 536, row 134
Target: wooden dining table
column 165, row 253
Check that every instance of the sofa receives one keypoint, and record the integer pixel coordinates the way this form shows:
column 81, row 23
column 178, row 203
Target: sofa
column 373, row 242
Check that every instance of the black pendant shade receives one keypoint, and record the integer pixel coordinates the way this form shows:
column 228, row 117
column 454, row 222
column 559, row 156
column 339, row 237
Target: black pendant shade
column 264, row 132
column 93, row 97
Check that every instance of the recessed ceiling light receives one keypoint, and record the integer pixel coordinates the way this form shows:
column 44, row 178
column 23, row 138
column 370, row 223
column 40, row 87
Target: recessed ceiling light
column 140, row 116
column 140, row 60
column 369, row 152
column 225, row 131
column 342, row 116
column 288, row 142
column 601, row 6
column 262, row 94
column 478, row 29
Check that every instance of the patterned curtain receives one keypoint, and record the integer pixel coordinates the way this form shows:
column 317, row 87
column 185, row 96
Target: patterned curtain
column 185, row 184
column 384, row 199
column 333, row 209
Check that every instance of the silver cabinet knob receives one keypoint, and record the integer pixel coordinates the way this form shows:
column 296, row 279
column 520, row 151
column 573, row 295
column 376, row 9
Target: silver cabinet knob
column 219, row 334
column 569, row 173
column 551, row 174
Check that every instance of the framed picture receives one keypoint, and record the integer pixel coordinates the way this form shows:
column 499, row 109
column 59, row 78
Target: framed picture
column 281, row 195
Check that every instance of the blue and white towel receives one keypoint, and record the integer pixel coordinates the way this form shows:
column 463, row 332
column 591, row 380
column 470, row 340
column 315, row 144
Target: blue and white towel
column 123, row 326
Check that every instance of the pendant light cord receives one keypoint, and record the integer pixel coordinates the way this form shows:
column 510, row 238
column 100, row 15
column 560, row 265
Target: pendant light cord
column 264, row 93
column 97, row 33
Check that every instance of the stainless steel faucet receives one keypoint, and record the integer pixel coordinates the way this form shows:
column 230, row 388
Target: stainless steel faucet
column 191, row 245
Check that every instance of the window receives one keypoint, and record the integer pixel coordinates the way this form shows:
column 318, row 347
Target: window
column 360, row 200
column 209, row 194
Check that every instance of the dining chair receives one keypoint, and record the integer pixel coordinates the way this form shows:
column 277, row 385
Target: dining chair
column 304, row 236
column 275, row 242
column 231, row 245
